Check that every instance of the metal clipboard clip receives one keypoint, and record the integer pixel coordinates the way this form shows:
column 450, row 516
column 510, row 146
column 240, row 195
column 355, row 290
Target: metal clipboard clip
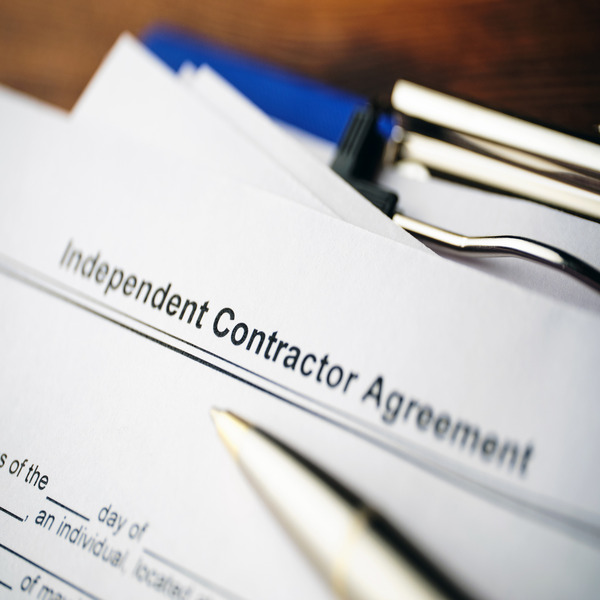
column 486, row 147
column 523, row 159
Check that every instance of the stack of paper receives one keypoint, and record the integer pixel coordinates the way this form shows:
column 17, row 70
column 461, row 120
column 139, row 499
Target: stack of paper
column 166, row 249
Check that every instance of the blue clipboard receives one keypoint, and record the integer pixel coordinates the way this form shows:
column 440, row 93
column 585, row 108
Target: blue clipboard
column 314, row 107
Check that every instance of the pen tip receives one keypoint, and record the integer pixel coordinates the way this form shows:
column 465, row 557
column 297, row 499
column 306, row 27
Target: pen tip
column 215, row 413
column 231, row 429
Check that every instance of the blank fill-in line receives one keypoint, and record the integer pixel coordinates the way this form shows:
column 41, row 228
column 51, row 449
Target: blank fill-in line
column 61, row 579
column 10, row 514
column 191, row 575
column 66, row 507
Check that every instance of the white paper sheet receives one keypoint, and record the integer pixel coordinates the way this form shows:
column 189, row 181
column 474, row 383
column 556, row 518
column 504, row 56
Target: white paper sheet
column 108, row 397
column 138, row 95
column 451, row 206
column 246, row 118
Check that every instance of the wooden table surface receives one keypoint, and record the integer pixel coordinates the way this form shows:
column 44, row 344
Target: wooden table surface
column 538, row 58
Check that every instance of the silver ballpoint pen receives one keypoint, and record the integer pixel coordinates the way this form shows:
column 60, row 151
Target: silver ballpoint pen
column 360, row 553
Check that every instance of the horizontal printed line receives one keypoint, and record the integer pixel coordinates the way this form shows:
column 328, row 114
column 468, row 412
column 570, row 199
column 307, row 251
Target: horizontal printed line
column 191, row 575
column 11, row 514
column 66, row 507
column 536, row 507
column 37, row 566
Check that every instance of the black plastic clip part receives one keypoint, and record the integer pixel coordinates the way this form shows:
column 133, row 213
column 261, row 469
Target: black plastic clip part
column 359, row 158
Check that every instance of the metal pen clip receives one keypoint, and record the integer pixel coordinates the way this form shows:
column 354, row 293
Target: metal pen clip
column 358, row 159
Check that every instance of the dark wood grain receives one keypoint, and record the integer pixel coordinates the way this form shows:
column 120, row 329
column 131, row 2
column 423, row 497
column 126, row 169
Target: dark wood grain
column 533, row 57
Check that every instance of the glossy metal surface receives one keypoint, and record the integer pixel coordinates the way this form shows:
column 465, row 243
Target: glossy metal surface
column 361, row 555
column 491, row 171
column 466, row 117
column 486, row 147
column 506, row 245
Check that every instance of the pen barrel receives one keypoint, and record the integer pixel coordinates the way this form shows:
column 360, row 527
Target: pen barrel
column 349, row 544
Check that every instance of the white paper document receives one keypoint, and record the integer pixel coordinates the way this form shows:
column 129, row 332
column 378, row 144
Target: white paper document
column 450, row 206
column 137, row 96
column 134, row 93
column 132, row 301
